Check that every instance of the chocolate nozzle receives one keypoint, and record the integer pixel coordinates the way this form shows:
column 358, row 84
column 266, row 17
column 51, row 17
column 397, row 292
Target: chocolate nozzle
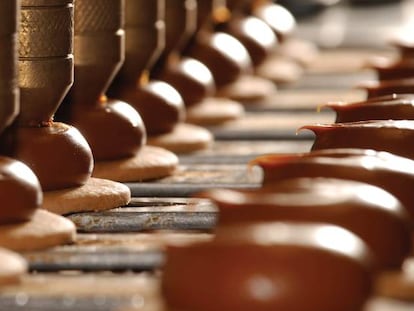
column 45, row 58
column 144, row 38
column 98, row 48
column 9, row 92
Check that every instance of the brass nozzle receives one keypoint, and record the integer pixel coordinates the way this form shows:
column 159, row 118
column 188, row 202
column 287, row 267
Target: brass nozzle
column 180, row 23
column 98, row 48
column 8, row 62
column 45, row 57
column 144, row 37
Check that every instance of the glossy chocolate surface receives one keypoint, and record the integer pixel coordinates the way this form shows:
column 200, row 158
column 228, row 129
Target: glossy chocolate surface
column 396, row 70
column 58, row 154
column 113, row 130
column 267, row 267
column 246, row 29
column 276, row 16
column 383, row 135
column 344, row 203
column 20, row 192
column 389, row 87
column 160, row 106
column 223, row 54
column 387, row 171
column 397, row 109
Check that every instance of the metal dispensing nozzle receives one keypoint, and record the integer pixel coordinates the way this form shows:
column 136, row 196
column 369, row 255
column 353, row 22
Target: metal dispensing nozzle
column 45, row 58
column 8, row 61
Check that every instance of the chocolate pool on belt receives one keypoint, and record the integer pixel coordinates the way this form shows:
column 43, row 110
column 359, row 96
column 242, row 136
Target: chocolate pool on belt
column 393, row 173
column 393, row 136
column 340, row 202
column 267, row 266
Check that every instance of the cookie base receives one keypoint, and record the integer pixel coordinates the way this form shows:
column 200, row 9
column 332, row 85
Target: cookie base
column 96, row 195
column 280, row 69
column 397, row 284
column 214, row 111
column 12, row 268
column 44, row 230
column 150, row 163
column 184, row 138
column 248, row 89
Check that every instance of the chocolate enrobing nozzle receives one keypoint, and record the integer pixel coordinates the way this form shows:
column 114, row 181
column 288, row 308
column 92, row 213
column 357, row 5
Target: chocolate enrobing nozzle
column 8, row 61
column 98, row 48
column 145, row 37
column 45, row 58
column 113, row 128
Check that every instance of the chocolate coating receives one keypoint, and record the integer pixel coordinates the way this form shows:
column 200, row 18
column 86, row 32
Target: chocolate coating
column 382, row 169
column 20, row 192
column 397, row 109
column 277, row 17
column 113, row 131
column 389, row 87
column 395, row 70
column 223, row 54
column 192, row 79
column 339, row 202
column 268, row 267
column 386, row 135
column 160, row 106
column 246, row 29
column 58, row 154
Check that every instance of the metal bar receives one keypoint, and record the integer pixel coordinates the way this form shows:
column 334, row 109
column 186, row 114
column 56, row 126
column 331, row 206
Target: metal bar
column 114, row 222
column 182, row 189
column 95, row 260
column 22, row 302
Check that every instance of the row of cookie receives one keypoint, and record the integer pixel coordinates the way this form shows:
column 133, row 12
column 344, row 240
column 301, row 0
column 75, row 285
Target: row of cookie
column 328, row 228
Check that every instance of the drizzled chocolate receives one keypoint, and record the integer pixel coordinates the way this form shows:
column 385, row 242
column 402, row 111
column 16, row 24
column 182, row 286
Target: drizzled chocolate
column 395, row 109
column 392, row 173
column 388, row 87
column 396, row 70
column 344, row 203
column 267, row 267
column 384, row 135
